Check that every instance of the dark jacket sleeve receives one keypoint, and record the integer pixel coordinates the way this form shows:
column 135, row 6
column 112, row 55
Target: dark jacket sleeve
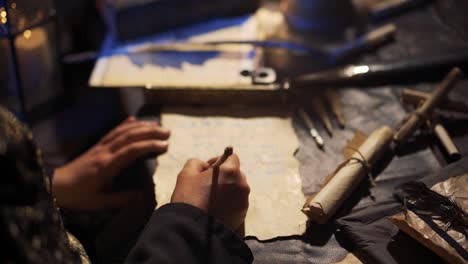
column 181, row 233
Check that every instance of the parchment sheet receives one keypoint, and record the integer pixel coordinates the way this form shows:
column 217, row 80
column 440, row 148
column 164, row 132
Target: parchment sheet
column 265, row 144
column 120, row 66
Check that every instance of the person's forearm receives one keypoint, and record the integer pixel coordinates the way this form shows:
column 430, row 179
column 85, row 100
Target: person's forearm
column 181, row 233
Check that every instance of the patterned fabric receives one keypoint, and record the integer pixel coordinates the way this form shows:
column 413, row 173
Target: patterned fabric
column 31, row 226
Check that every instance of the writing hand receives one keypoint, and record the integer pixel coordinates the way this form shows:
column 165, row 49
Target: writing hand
column 227, row 201
column 85, row 183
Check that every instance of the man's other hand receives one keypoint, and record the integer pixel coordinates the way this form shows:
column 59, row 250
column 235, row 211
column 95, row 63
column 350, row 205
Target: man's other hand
column 85, row 183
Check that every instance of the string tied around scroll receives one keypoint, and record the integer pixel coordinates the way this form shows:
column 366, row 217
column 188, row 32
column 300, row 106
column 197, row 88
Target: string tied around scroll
column 364, row 163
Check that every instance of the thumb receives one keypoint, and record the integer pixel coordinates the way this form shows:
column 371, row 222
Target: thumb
column 116, row 200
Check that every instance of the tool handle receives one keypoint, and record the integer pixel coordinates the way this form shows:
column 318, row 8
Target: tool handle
column 417, row 117
column 428, row 68
column 446, row 142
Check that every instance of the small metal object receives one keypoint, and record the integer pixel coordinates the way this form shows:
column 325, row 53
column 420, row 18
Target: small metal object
column 368, row 42
column 320, row 111
column 388, row 8
column 263, row 76
column 310, row 125
column 335, row 106
column 216, row 45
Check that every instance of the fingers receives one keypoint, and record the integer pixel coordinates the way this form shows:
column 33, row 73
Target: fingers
column 139, row 133
column 194, row 166
column 129, row 122
column 222, row 193
column 129, row 119
column 125, row 155
column 231, row 162
column 230, row 169
column 129, row 125
column 231, row 159
column 213, row 160
column 188, row 179
column 243, row 182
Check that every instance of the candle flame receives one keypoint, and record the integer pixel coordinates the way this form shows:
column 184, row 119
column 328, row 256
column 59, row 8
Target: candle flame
column 27, row 34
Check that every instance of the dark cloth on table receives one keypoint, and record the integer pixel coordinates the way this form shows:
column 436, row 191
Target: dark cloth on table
column 181, row 233
column 374, row 239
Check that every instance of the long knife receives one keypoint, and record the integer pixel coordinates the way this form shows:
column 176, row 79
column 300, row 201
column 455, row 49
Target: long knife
column 419, row 69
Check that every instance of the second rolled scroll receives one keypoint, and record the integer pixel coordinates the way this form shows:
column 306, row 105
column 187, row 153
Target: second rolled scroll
column 326, row 202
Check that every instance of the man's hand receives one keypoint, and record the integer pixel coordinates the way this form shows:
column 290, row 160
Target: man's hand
column 85, row 183
column 224, row 196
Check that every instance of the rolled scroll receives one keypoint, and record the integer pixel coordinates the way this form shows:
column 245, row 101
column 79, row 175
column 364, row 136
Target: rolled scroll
column 325, row 203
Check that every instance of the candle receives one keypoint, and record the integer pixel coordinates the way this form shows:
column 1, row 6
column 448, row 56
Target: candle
column 8, row 96
column 37, row 66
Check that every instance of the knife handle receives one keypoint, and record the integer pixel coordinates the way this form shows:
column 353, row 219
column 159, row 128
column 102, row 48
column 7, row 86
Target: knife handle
column 429, row 68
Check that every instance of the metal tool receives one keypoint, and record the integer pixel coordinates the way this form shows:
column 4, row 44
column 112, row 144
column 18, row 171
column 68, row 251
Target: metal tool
column 418, row 69
column 320, row 112
column 262, row 75
column 312, row 130
column 367, row 42
column 216, row 45
column 335, row 106
column 388, row 8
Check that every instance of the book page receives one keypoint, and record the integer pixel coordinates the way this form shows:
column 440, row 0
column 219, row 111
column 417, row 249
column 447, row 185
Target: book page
column 265, row 143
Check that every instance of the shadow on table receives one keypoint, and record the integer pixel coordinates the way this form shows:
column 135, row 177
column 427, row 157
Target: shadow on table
column 405, row 249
